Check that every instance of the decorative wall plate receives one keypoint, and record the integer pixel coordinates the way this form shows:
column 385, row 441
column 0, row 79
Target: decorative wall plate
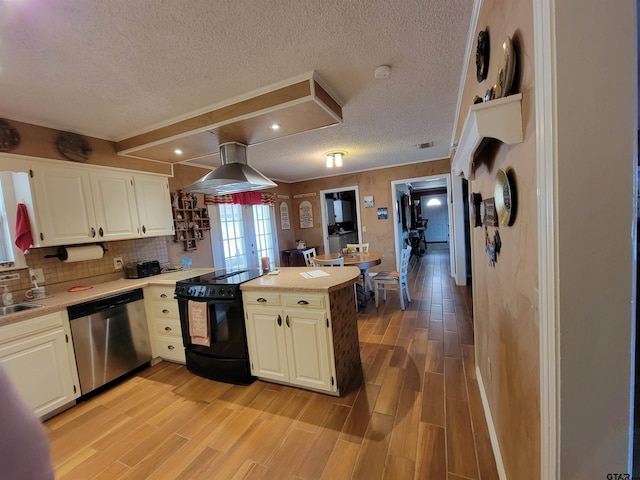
column 482, row 55
column 505, row 197
column 505, row 70
column 9, row 137
column 74, row 147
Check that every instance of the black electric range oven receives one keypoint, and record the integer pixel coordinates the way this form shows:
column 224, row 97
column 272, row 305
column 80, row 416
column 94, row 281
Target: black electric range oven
column 226, row 359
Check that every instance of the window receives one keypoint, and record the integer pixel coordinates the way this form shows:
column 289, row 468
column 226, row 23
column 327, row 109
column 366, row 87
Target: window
column 246, row 233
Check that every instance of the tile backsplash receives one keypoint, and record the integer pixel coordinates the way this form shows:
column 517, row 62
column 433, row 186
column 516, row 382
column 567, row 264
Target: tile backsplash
column 58, row 274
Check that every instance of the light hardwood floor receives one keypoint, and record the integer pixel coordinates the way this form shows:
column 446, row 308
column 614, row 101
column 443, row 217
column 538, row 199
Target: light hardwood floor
column 417, row 414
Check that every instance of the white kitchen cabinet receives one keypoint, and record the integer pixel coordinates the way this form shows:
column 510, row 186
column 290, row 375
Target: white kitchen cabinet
column 289, row 337
column 115, row 205
column 76, row 204
column 163, row 319
column 154, row 205
column 63, row 204
column 38, row 356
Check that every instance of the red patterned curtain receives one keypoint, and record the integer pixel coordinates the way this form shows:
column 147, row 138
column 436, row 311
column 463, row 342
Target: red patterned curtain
column 242, row 198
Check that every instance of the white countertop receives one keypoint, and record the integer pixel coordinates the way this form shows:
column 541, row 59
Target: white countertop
column 289, row 279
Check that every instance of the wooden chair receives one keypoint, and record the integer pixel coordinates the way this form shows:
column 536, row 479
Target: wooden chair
column 366, row 277
column 359, row 247
column 398, row 279
column 308, row 256
column 335, row 262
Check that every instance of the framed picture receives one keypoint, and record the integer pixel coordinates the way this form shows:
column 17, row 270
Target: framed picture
column 368, row 202
column 488, row 212
column 383, row 213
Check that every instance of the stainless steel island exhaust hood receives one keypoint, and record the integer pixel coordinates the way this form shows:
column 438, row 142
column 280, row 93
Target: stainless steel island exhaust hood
column 233, row 176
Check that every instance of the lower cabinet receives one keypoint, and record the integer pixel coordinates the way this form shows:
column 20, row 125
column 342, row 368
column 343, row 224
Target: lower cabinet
column 163, row 318
column 38, row 356
column 289, row 337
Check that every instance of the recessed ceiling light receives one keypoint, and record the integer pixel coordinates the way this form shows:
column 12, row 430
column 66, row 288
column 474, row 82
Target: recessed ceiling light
column 177, row 151
column 275, row 126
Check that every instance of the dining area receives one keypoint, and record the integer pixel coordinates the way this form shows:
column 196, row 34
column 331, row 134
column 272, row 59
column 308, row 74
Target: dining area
column 370, row 283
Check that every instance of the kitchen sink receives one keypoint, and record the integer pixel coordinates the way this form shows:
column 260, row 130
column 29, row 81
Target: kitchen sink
column 18, row 307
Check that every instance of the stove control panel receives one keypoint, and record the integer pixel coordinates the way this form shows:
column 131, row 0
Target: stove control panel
column 207, row 291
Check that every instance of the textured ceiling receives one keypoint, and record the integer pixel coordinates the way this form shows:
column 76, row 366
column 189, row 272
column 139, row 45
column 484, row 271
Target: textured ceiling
column 112, row 69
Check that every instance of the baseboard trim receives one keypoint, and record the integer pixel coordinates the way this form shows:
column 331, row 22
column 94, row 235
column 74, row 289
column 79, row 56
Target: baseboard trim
column 493, row 436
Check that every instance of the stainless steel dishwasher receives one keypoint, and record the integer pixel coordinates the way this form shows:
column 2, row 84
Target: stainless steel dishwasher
column 110, row 338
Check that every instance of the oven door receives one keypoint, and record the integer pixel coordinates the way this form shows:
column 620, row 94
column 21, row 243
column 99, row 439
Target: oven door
column 226, row 327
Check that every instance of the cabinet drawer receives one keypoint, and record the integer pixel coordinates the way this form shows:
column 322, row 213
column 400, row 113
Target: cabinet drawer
column 304, row 300
column 157, row 292
column 171, row 349
column 164, row 310
column 261, row 298
column 168, row 327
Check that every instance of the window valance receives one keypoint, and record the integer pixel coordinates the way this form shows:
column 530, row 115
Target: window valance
column 242, row 198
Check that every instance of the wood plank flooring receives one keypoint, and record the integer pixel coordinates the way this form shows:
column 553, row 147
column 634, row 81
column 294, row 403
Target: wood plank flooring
column 417, row 415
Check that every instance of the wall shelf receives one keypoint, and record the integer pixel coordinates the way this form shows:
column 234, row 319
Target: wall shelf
column 190, row 223
column 500, row 119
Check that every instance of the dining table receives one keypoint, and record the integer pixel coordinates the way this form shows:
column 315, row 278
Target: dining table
column 362, row 260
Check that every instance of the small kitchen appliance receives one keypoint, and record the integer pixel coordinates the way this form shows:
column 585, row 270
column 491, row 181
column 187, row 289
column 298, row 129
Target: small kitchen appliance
column 226, row 358
column 142, row 269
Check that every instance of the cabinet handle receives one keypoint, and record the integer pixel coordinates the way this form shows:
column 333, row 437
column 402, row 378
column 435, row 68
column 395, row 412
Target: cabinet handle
column 93, row 232
column 280, row 321
column 288, row 322
column 261, row 300
column 144, row 229
column 101, row 232
column 163, row 295
column 165, row 311
column 171, row 347
column 167, row 329
column 303, row 302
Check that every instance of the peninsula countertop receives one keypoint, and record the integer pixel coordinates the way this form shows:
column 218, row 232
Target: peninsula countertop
column 290, row 279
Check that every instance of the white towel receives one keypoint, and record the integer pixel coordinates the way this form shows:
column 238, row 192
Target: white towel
column 199, row 323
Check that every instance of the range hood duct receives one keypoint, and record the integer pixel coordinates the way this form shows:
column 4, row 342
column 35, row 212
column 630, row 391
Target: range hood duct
column 233, row 176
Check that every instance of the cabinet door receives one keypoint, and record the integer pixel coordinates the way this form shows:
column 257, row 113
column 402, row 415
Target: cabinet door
column 64, row 206
column 308, row 349
column 39, row 366
column 267, row 347
column 154, row 205
column 115, row 205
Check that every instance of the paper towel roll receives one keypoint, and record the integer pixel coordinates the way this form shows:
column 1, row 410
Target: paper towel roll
column 79, row 254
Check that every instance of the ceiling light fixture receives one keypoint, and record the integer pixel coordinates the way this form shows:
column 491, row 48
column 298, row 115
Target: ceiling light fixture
column 177, row 151
column 275, row 126
column 334, row 158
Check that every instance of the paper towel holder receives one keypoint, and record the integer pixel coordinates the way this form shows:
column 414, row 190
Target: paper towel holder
column 62, row 254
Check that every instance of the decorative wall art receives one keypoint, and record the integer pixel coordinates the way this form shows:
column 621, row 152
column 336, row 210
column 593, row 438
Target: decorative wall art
column 9, row 137
column 505, row 197
column 492, row 246
column 285, row 224
column 368, row 202
column 383, row 213
column 306, row 214
column 488, row 212
column 475, row 200
column 73, row 147
column 482, row 55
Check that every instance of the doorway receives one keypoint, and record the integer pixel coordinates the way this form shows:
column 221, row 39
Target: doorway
column 340, row 217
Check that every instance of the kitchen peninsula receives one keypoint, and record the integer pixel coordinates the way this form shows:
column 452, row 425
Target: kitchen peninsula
column 303, row 331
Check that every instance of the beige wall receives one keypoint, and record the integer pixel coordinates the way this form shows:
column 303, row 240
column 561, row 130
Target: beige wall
column 504, row 296
column 373, row 182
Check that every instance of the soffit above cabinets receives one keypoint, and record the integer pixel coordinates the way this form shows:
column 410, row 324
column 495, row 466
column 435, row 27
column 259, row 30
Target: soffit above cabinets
column 301, row 106
column 500, row 119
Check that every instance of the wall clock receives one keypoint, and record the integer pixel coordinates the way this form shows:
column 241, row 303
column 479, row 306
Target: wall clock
column 505, row 197
column 73, row 147
column 482, row 55
column 9, row 137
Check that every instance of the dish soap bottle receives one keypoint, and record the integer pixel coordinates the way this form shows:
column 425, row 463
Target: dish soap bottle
column 7, row 296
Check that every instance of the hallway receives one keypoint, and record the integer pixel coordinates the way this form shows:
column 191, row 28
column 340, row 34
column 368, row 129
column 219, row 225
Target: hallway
column 417, row 415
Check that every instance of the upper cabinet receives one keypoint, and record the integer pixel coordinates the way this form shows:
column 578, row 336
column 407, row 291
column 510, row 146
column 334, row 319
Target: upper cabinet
column 154, row 205
column 75, row 204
